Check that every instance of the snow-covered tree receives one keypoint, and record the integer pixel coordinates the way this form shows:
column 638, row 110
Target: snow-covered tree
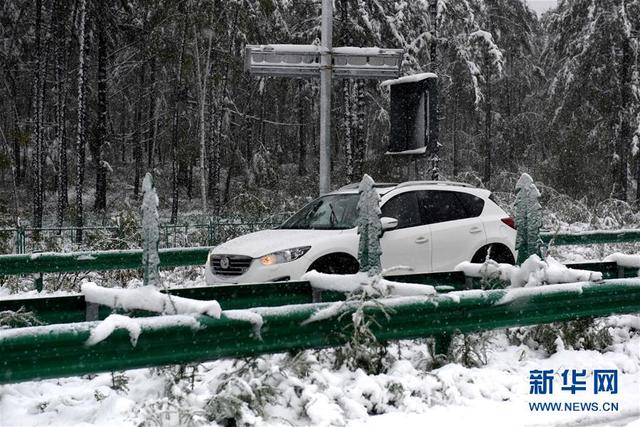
column 528, row 218
column 369, row 227
column 594, row 94
column 150, row 233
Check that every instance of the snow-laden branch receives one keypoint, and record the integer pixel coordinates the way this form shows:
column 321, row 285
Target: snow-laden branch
column 349, row 283
column 135, row 326
column 149, row 299
column 532, row 272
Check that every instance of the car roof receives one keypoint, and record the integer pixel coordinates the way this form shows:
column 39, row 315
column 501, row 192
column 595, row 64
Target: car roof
column 385, row 187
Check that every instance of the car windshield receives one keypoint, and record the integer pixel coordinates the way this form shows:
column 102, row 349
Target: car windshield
column 332, row 212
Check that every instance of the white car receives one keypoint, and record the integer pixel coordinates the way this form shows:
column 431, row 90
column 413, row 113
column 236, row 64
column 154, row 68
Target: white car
column 429, row 226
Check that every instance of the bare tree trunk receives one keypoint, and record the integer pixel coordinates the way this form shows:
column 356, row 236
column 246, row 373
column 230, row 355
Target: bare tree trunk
column 60, row 58
column 151, row 134
column 16, row 200
column 137, row 139
column 624, row 135
column 434, row 143
column 38, row 104
column 360, row 143
column 302, row 143
column 202, row 77
column 80, row 142
column 177, row 93
column 348, row 136
column 487, row 127
column 100, row 137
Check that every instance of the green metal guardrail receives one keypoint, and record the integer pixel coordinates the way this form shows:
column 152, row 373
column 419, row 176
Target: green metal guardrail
column 57, row 351
column 210, row 233
column 50, row 262
column 73, row 308
column 592, row 237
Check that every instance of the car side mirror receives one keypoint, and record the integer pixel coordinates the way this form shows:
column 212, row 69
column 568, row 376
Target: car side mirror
column 388, row 223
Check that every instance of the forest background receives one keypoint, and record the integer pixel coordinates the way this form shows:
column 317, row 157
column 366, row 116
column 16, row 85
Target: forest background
column 93, row 94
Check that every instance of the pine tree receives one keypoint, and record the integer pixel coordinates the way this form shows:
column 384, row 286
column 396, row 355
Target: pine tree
column 369, row 227
column 150, row 233
column 528, row 218
column 591, row 101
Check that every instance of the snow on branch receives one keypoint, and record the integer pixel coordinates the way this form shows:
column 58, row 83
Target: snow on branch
column 362, row 282
column 148, row 298
column 135, row 326
column 485, row 40
column 532, row 272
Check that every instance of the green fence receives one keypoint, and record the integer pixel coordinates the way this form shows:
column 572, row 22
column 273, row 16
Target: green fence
column 591, row 237
column 26, row 239
column 61, row 350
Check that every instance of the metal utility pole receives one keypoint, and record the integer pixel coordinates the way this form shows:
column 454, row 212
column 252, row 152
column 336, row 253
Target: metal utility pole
column 325, row 96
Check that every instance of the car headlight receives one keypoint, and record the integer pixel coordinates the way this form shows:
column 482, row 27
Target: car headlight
column 287, row 255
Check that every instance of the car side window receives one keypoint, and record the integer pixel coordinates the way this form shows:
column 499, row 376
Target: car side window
column 472, row 204
column 440, row 206
column 404, row 208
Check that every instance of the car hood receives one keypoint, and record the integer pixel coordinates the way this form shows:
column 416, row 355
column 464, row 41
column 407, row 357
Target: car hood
column 268, row 241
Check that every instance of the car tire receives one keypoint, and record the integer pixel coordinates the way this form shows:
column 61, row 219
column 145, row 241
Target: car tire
column 498, row 253
column 339, row 263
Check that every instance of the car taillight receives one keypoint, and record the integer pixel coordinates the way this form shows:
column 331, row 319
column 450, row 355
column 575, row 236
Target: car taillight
column 510, row 222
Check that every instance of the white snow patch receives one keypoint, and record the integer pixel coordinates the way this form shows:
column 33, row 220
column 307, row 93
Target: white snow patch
column 110, row 324
column 136, row 326
column 349, row 283
column 409, row 79
column 517, row 293
column 420, row 150
column 148, row 298
column 623, row 260
column 248, row 316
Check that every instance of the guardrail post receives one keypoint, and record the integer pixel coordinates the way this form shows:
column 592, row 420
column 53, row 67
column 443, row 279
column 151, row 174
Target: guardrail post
column 92, row 311
column 20, row 239
column 39, row 282
column 210, row 231
column 441, row 344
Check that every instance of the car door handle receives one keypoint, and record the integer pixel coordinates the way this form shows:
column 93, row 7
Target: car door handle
column 474, row 230
column 421, row 240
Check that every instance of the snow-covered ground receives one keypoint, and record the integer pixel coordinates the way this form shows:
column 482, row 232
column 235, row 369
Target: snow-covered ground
column 307, row 390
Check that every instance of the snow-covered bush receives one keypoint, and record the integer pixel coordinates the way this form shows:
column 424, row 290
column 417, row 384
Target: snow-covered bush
column 369, row 227
column 243, row 393
column 581, row 334
column 17, row 319
column 470, row 350
column 528, row 218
